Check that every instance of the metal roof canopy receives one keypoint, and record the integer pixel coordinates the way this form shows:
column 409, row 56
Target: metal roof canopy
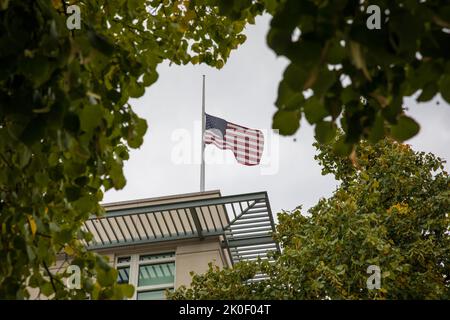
column 244, row 221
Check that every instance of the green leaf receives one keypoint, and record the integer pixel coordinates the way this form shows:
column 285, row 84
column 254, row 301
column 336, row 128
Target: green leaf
column 64, row 236
column 34, row 280
column 342, row 148
column 279, row 40
column 117, row 176
column 137, row 132
column 348, row 95
column 325, row 79
column 33, row 131
column 101, row 43
column 106, row 278
column 86, row 203
column 127, row 290
column 150, row 78
column 305, row 53
column 428, row 92
column 90, row 117
column 325, row 131
column 136, row 90
column 336, row 53
column 405, row 128
column 287, row 122
column 295, row 76
column 30, row 253
column 71, row 122
column 73, row 193
column 47, row 289
column 377, row 130
column 314, row 110
column 102, row 263
column 404, row 32
column 288, row 99
column 24, row 156
column 444, row 87
column 4, row 4
column 36, row 69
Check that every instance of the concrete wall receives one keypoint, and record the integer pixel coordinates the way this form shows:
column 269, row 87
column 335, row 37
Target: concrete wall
column 195, row 257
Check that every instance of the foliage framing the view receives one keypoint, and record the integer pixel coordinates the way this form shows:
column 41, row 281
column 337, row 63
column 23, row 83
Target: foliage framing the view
column 392, row 211
column 340, row 70
column 66, row 125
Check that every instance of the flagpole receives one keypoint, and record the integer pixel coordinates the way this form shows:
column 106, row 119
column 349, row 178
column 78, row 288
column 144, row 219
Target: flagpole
column 202, row 165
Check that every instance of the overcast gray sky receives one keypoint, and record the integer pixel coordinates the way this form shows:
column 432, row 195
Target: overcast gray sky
column 242, row 92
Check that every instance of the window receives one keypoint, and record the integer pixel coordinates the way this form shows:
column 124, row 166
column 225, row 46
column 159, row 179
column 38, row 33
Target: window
column 152, row 295
column 151, row 274
column 124, row 275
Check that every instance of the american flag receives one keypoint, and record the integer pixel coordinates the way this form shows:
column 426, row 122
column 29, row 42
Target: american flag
column 246, row 144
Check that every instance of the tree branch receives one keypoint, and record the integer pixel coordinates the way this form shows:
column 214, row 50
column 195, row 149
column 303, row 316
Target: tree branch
column 51, row 278
column 440, row 22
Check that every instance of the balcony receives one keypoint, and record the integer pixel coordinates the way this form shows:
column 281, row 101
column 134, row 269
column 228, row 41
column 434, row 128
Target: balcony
column 243, row 223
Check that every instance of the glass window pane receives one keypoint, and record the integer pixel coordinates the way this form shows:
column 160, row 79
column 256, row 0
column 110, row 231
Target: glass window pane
column 124, row 275
column 157, row 256
column 154, row 274
column 152, row 295
column 123, row 259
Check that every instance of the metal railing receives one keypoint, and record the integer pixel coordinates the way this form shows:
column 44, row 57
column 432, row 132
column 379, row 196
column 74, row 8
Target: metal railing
column 244, row 221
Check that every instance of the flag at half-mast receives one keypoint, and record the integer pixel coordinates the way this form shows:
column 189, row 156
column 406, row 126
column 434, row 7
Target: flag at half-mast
column 247, row 144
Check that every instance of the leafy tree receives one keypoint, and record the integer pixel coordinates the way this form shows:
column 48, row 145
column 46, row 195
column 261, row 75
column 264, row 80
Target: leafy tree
column 66, row 125
column 391, row 210
column 342, row 71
